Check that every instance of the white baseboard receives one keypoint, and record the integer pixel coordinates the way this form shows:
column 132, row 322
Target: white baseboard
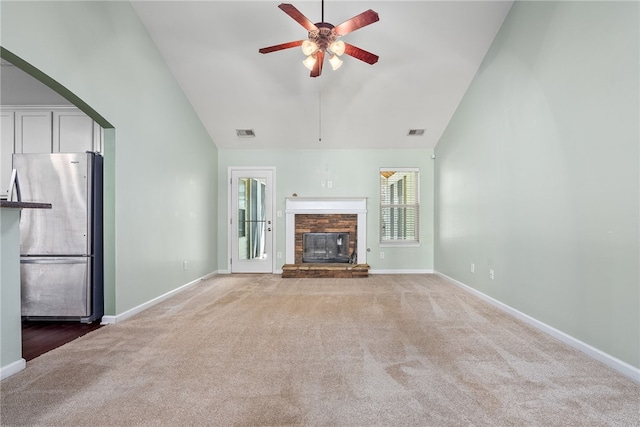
column 377, row 271
column 276, row 271
column 624, row 368
column 109, row 320
column 12, row 368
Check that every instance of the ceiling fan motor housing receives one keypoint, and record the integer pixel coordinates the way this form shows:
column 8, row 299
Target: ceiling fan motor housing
column 323, row 36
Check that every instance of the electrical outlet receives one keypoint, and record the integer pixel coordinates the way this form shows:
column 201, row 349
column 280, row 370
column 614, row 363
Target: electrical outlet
column 329, row 184
column 473, row 268
column 279, row 255
column 491, row 274
column 184, row 265
column 322, row 183
column 381, row 255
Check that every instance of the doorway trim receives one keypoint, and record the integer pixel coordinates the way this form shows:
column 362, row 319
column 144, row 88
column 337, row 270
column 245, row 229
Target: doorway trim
column 230, row 236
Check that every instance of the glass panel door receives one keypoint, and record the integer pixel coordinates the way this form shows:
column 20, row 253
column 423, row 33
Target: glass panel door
column 251, row 221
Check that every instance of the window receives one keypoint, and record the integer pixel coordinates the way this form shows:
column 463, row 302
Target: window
column 399, row 205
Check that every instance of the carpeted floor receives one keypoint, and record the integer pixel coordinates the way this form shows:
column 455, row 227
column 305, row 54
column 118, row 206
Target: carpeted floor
column 258, row 350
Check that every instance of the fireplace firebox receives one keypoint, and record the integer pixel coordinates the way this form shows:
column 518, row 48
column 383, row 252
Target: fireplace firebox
column 325, row 248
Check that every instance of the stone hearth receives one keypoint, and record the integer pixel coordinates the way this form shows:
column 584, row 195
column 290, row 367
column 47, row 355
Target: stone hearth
column 325, row 270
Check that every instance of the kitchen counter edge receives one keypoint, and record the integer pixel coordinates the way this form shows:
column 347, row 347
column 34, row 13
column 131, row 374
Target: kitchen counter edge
column 24, row 205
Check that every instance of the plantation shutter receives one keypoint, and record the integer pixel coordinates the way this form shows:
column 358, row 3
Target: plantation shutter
column 399, row 205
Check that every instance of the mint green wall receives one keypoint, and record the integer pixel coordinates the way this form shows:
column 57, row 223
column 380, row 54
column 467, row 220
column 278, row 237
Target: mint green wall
column 161, row 168
column 11, row 325
column 537, row 175
column 353, row 173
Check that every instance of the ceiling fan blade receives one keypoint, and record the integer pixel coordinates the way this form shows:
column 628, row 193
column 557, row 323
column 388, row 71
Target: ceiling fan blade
column 317, row 67
column 360, row 54
column 280, row 47
column 358, row 21
column 291, row 10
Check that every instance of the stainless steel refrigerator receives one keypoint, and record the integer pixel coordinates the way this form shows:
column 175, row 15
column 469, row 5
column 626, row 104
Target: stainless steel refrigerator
column 61, row 251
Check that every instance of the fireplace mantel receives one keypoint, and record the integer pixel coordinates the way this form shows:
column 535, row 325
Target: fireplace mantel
column 326, row 205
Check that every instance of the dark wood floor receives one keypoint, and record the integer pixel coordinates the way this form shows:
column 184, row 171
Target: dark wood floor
column 38, row 337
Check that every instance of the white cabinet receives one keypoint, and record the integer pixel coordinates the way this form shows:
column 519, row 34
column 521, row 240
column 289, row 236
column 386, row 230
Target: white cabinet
column 44, row 130
column 33, row 132
column 72, row 132
column 6, row 150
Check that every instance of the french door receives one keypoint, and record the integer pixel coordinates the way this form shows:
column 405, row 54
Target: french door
column 251, row 220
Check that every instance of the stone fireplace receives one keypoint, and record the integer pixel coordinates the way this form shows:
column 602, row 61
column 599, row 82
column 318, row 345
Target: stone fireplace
column 340, row 224
column 343, row 219
column 315, row 214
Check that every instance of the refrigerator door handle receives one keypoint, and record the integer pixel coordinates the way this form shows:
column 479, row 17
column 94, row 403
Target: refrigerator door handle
column 14, row 184
column 75, row 260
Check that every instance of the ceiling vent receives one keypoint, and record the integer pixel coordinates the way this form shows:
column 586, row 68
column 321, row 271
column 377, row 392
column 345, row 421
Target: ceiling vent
column 416, row 132
column 245, row 133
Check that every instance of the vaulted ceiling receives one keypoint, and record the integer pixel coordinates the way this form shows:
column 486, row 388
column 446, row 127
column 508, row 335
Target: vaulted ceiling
column 429, row 53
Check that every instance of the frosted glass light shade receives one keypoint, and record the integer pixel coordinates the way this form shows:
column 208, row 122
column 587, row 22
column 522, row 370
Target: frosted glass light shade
column 335, row 62
column 337, row 47
column 309, row 47
column 309, row 62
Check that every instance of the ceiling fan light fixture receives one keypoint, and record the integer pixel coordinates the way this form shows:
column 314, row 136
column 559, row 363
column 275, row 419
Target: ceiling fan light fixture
column 309, row 62
column 309, row 47
column 337, row 47
column 335, row 62
column 322, row 39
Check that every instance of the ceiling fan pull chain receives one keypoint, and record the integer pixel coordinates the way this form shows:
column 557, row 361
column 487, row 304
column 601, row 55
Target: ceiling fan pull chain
column 319, row 116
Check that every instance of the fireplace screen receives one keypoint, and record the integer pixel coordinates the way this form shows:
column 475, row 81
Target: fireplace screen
column 325, row 247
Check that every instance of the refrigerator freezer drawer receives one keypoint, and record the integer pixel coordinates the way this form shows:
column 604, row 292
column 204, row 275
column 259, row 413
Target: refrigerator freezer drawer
column 55, row 286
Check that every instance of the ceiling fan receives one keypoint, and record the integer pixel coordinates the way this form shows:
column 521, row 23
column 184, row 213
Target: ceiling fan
column 324, row 38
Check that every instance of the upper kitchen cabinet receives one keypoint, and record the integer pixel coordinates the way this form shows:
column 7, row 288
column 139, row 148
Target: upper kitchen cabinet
column 72, row 132
column 44, row 130
column 52, row 130
column 33, row 132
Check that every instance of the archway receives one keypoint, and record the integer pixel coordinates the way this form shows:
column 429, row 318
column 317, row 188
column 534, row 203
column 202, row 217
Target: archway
column 108, row 144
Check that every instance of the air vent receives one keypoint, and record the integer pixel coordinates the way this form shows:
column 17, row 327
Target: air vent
column 245, row 133
column 416, row 132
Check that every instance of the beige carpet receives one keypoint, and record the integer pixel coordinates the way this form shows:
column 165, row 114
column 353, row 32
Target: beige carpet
column 257, row 350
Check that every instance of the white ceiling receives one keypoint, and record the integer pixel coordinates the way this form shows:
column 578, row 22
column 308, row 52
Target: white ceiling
column 19, row 88
column 429, row 52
